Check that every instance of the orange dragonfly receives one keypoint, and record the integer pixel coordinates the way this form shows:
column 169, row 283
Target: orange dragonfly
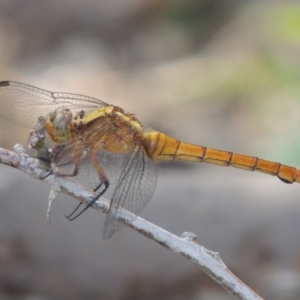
column 102, row 143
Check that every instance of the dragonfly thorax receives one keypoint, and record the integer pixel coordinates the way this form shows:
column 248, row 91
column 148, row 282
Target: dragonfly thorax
column 58, row 125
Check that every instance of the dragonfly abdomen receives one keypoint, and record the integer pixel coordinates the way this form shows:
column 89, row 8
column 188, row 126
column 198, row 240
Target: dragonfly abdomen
column 163, row 147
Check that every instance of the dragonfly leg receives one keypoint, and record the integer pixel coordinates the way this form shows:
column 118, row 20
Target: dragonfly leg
column 73, row 174
column 74, row 161
column 103, row 180
column 48, row 173
column 97, row 187
column 88, row 205
column 44, row 159
column 72, row 213
column 50, row 170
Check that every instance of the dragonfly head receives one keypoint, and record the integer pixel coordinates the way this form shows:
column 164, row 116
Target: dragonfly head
column 58, row 125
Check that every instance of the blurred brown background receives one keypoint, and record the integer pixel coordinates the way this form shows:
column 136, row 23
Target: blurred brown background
column 223, row 74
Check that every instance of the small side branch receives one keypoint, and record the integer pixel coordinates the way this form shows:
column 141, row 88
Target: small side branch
column 208, row 261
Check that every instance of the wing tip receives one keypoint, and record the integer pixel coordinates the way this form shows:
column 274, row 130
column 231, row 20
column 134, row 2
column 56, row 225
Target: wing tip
column 107, row 232
column 106, row 236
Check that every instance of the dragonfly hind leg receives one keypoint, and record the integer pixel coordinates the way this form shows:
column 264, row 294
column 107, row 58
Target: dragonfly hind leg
column 73, row 212
column 88, row 205
column 77, row 207
column 103, row 180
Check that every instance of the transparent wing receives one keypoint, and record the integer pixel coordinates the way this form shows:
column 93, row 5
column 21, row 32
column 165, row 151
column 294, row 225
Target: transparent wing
column 133, row 191
column 23, row 104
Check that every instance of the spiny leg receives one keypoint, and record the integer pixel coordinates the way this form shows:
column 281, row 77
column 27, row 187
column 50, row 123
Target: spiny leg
column 47, row 161
column 48, row 173
column 54, row 169
column 90, row 203
column 77, row 161
column 72, row 213
column 77, row 207
column 69, row 156
column 97, row 187
column 103, row 180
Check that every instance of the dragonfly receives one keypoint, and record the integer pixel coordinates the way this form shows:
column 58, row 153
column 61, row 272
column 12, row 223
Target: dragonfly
column 106, row 145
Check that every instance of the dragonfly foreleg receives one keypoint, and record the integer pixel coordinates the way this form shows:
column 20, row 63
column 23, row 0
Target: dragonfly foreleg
column 72, row 213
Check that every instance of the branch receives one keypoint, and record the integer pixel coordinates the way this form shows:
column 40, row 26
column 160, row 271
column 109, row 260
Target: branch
column 186, row 245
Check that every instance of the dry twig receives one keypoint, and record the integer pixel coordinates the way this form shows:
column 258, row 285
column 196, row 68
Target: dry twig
column 185, row 245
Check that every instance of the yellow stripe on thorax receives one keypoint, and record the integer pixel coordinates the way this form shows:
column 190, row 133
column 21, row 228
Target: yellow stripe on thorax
column 94, row 115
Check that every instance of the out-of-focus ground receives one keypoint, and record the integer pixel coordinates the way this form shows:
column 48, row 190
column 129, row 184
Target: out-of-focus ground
column 223, row 74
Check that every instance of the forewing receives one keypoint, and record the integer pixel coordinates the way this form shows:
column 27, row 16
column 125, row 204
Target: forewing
column 133, row 191
column 23, row 104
